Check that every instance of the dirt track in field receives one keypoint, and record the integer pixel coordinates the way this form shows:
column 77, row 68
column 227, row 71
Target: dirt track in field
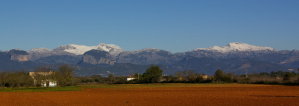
column 229, row 95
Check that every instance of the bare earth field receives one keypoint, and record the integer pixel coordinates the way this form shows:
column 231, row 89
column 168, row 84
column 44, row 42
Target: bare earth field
column 161, row 95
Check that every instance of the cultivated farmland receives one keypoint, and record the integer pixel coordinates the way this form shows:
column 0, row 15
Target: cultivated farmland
column 159, row 94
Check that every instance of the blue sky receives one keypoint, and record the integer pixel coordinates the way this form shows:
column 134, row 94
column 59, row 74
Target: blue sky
column 174, row 25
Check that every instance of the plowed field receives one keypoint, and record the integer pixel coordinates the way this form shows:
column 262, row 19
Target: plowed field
column 196, row 95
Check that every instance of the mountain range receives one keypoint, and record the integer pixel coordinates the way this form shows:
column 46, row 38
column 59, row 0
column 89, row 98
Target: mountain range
column 106, row 59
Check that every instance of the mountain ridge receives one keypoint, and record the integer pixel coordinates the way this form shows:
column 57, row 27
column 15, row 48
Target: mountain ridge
column 77, row 49
column 235, row 57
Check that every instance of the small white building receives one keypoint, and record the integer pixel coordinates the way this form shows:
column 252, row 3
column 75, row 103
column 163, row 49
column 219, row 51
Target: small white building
column 130, row 78
column 44, row 82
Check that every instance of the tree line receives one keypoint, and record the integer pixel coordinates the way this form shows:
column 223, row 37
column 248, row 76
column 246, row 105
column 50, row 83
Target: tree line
column 155, row 75
column 64, row 76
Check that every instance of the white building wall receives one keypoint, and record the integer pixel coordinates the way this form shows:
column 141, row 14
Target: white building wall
column 52, row 84
column 130, row 79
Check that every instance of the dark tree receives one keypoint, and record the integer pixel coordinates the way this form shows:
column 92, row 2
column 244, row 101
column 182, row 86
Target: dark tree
column 287, row 76
column 221, row 76
column 152, row 75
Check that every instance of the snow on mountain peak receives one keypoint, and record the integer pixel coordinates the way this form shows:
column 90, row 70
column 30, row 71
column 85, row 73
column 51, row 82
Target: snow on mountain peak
column 81, row 49
column 236, row 46
column 75, row 49
column 113, row 49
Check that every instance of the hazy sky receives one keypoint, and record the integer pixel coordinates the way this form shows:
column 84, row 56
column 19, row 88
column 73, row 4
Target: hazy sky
column 175, row 25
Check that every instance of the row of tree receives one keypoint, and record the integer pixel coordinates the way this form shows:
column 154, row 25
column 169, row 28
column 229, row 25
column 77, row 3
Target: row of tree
column 152, row 75
column 64, row 77
column 155, row 75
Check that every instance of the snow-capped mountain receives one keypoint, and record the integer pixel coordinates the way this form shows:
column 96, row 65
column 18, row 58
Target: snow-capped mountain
column 75, row 49
column 81, row 49
column 236, row 46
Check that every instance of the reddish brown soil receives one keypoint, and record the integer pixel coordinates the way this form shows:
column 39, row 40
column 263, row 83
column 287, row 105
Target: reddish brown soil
column 237, row 95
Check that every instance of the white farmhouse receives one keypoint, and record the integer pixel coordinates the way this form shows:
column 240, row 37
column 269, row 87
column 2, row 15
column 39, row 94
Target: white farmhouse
column 43, row 78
